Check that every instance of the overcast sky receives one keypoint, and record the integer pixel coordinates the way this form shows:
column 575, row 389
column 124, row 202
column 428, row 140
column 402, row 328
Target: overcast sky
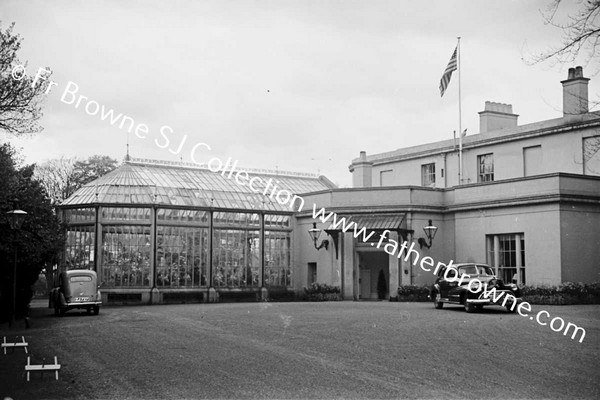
column 294, row 85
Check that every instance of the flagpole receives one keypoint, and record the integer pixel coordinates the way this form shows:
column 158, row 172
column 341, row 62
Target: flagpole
column 460, row 131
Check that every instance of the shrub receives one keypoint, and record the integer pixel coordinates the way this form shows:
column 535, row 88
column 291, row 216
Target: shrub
column 565, row 293
column 321, row 292
column 381, row 285
column 413, row 293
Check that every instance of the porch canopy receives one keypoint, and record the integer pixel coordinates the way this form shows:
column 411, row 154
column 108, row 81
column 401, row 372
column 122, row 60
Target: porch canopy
column 371, row 222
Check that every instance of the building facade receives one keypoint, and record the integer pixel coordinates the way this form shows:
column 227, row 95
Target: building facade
column 523, row 198
column 527, row 202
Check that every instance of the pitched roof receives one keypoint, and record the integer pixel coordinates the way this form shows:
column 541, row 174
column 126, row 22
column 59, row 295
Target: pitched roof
column 146, row 182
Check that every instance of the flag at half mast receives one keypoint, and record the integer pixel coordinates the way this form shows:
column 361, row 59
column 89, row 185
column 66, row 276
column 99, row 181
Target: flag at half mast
column 452, row 66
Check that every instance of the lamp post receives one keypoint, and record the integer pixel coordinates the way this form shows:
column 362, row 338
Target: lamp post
column 15, row 220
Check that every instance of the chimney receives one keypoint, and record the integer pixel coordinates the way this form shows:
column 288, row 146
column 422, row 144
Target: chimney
column 496, row 116
column 575, row 93
column 361, row 171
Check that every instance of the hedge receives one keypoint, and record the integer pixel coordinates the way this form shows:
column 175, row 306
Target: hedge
column 413, row 293
column 565, row 293
column 320, row 292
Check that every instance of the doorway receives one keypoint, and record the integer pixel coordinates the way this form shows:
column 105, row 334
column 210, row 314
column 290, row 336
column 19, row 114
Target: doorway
column 370, row 264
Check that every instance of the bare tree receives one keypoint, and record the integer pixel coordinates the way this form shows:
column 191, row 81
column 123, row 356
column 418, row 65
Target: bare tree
column 21, row 95
column 581, row 33
column 58, row 178
column 591, row 147
column 64, row 176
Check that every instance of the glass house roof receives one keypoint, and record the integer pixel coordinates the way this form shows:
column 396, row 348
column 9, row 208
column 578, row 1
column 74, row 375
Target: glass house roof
column 147, row 182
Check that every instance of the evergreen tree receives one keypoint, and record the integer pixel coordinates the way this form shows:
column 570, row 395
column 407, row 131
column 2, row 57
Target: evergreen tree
column 381, row 285
column 38, row 242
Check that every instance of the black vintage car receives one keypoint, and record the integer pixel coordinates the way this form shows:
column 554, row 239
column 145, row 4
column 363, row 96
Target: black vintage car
column 453, row 287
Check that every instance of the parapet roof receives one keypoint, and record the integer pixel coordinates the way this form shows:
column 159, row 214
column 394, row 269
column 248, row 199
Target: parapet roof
column 147, row 182
column 481, row 139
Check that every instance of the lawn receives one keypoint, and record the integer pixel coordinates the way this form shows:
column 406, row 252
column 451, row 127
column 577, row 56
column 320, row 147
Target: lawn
column 305, row 350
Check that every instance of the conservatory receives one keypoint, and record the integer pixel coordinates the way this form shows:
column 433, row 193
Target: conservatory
column 160, row 232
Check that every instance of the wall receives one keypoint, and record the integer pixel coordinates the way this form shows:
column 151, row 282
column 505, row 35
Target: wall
column 540, row 225
column 561, row 152
column 580, row 242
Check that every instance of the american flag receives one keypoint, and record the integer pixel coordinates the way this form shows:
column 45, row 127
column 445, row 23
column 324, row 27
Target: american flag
column 452, row 66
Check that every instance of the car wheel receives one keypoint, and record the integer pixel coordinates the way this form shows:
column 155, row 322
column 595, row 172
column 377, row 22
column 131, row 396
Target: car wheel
column 56, row 310
column 61, row 311
column 436, row 301
column 96, row 310
column 469, row 307
column 510, row 309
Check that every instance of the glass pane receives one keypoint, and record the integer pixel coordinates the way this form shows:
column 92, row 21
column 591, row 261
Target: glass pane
column 181, row 257
column 236, row 258
column 125, row 256
column 79, row 247
column 277, row 259
column 125, row 214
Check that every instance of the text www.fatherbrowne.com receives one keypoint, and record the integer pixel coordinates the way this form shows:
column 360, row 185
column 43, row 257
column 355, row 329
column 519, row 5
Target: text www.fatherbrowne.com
column 391, row 247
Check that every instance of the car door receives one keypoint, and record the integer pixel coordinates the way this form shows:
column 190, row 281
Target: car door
column 444, row 284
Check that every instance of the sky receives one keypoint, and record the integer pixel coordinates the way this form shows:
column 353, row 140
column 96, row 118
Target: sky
column 297, row 85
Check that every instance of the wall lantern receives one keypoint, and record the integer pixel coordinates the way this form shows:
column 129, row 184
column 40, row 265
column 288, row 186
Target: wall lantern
column 430, row 232
column 314, row 233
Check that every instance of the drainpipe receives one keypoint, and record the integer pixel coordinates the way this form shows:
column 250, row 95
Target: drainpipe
column 445, row 170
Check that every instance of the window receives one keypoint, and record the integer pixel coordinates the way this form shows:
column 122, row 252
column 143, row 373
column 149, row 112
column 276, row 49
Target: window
column 485, row 163
column 125, row 256
column 236, row 258
column 385, row 178
column 591, row 155
column 428, row 175
column 278, row 271
column 79, row 248
column 75, row 215
column 125, row 214
column 532, row 160
column 506, row 253
column 181, row 257
column 312, row 273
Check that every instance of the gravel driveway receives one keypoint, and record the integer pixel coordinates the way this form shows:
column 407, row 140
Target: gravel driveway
column 305, row 350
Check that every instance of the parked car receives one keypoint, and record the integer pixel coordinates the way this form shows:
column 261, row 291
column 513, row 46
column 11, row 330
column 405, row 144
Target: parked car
column 77, row 288
column 452, row 289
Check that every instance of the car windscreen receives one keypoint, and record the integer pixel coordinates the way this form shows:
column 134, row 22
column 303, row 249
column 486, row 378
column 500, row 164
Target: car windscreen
column 476, row 270
column 468, row 269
